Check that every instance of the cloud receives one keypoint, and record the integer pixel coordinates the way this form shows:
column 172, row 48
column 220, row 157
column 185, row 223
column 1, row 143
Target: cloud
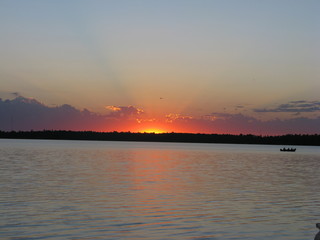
column 23, row 113
column 120, row 111
column 293, row 107
column 239, row 123
column 16, row 94
column 29, row 114
column 145, row 120
column 239, row 107
column 216, row 116
column 226, row 123
column 174, row 117
column 113, row 108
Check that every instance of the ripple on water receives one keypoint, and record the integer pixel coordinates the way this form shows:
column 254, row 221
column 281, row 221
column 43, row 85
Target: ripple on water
column 81, row 190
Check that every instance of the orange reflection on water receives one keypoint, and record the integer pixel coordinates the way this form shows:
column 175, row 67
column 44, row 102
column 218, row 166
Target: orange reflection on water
column 152, row 170
column 165, row 189
column 154, row 182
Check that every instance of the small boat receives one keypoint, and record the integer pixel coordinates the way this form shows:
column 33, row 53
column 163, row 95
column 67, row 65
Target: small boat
column 288, row 149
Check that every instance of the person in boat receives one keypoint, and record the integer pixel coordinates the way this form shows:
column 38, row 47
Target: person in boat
column 317, row 237
column 288, row 149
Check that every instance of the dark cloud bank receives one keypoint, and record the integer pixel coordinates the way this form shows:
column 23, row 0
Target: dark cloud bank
column 24, row 114
column 294, row 107
column 238, row 123
column 29, row 114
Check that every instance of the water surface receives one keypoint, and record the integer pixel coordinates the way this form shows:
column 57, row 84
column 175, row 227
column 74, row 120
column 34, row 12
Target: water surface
column 135, row 190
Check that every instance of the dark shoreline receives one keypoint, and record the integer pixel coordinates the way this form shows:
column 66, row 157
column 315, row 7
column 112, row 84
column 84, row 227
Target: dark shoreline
column 290, row 139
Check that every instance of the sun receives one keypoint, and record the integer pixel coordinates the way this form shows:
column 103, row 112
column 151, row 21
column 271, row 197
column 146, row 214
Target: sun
column 153, row 130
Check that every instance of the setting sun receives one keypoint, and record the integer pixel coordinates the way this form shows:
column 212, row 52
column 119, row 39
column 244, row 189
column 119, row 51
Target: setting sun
column 153, row 130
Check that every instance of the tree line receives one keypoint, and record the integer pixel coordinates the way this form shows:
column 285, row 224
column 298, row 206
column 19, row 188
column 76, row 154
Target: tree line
column 290, row 139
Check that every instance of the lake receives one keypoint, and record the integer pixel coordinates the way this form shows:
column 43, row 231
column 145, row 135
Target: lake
column 135, row 190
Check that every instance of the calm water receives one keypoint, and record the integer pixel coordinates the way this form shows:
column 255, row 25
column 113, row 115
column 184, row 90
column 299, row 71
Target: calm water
column 122, row 190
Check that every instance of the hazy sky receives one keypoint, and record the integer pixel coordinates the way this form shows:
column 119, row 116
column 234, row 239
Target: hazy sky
column 193, row 58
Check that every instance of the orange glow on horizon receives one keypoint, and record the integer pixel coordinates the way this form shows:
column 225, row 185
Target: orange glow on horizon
column 156, row 126
column 153, row 130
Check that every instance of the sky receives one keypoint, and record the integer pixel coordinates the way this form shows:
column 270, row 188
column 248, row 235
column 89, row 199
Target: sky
column 231, row 66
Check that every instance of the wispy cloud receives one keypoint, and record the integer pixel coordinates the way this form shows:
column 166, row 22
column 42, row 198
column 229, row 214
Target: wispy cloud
column 293, row 107
column 113, row 108
column 239, row 123
column 145, row 120
column 175, row 116
column 16, row 94
column 217, row 116
column 124, row 111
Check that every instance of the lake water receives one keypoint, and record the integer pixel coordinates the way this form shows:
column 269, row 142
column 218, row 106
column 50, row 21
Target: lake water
column 134, row 190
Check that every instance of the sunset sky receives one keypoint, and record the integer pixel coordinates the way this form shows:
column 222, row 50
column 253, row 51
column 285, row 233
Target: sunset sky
column 212, row 66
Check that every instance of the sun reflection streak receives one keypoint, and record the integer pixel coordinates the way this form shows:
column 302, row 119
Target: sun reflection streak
column 155, row 183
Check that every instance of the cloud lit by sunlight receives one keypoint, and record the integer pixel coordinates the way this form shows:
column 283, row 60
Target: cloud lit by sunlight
column 113, row 108
column 30, row 114
column 124, row 111
column 174, row 116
